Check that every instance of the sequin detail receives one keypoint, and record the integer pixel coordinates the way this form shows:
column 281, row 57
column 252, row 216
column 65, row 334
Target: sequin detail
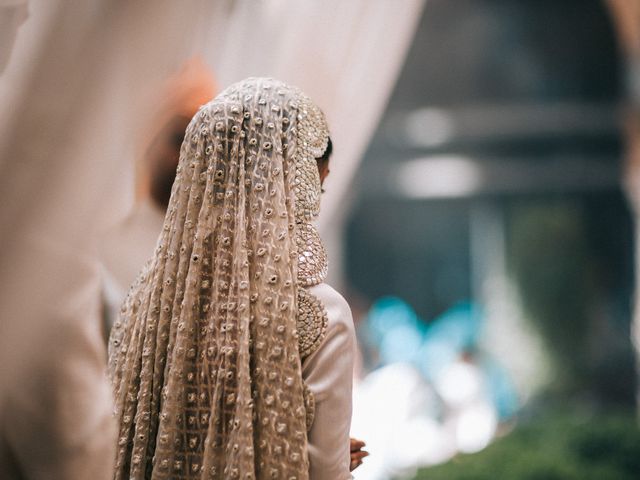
column 314, row 138
column 312, row 256
column 312, row 323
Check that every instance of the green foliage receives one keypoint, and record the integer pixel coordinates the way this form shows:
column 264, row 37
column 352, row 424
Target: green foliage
column 553, row 266
column 554, row 448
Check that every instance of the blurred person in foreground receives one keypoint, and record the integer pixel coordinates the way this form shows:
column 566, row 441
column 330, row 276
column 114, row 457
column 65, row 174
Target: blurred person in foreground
column 13, row 13
column 127, row 245
column 55, row 402
column 231, row 357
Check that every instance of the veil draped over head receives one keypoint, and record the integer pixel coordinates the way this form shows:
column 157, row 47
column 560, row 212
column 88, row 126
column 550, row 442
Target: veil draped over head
column 205, row 358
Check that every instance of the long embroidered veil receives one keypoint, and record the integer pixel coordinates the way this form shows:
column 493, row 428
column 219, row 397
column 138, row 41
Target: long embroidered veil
column 205, row 358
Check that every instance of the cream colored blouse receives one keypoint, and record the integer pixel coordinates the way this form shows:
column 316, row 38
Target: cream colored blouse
column 328, row 372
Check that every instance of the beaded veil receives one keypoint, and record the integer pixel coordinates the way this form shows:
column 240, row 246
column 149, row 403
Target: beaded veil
column 205, row 358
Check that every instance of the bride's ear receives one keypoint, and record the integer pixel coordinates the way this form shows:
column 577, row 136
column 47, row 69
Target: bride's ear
column 323, row 162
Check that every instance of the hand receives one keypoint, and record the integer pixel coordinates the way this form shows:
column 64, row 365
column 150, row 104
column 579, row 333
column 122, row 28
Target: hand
column 357, row 454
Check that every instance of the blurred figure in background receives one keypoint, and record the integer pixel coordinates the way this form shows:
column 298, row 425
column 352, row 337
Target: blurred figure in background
column 128, row 244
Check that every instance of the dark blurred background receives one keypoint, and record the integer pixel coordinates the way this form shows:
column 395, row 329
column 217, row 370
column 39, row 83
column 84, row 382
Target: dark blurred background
column 495, row 177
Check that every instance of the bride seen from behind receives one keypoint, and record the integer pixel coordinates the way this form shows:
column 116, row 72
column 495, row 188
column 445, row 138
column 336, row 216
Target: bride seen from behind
column 231, row 357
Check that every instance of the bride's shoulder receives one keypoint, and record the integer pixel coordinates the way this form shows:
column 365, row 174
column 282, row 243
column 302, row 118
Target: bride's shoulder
column 337, row 308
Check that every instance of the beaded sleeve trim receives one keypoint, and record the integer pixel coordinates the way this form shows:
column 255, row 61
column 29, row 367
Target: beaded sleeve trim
column 312, row 323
